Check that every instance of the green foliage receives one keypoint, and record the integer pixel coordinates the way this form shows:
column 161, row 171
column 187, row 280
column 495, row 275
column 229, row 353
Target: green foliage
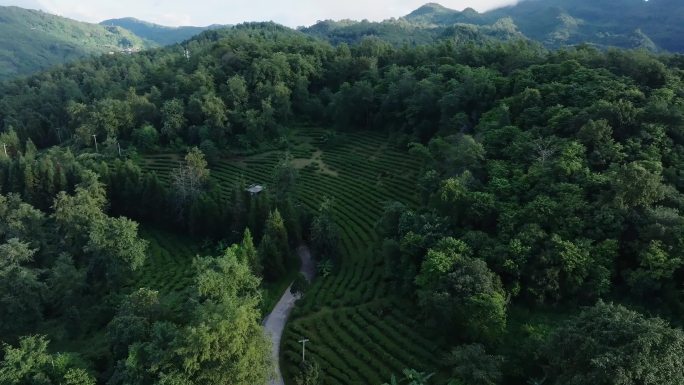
column 309, row 373
column 609, row 344
column 21, row 292
column 34, row 40
column 284, row 181
column 117, row 251
column 324, row 233
column 274, row 250
column 75, row 215
column 460, row 290
column 227, row 316
column 300, row 285
column 548, row 179
column 146, row 137
column 30, row 363
column 473, row 366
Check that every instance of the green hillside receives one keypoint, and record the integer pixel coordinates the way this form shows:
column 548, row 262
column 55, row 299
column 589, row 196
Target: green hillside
column 31, row 41
column 627, row 23
column 159, row 34
column 652, row 25
column 399, row 32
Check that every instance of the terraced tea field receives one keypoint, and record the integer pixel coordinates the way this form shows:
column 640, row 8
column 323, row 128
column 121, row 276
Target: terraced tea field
column 359, row 333
column 169, row 266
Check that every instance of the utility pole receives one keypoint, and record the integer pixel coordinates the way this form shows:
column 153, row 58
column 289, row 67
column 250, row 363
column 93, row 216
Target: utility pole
column 303, row 342
column 95, row 137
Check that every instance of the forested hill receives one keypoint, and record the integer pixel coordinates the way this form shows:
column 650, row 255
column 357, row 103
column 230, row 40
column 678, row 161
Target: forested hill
column 652, row 25
column 655, row 24
column 33, row 40
column 404, row 32
column 160, row 34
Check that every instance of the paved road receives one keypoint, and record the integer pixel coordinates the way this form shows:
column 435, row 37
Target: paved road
column 275, row 322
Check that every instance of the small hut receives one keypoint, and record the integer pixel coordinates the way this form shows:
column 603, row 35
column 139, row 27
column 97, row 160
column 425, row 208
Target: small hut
column 255, row 189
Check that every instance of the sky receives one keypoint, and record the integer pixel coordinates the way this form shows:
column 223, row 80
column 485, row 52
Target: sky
column 292, row 13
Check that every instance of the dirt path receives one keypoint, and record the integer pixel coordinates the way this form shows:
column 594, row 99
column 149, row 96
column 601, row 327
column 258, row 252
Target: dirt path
column 275, row 322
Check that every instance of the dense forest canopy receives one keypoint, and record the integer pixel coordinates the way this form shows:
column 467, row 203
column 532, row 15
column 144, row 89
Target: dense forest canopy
column 551, row 181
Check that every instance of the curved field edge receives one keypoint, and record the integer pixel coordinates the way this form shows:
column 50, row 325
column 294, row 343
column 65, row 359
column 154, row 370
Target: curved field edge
column 360, row 333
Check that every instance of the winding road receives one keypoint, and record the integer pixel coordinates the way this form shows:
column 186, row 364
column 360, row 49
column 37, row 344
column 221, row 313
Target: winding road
column 274, row 324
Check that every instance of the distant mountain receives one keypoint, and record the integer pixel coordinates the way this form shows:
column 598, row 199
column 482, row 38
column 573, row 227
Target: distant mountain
column 414, row 30
column 34, row 40
column 393, row 31
column 653, row 25
column 159, row 34
column 433, row 14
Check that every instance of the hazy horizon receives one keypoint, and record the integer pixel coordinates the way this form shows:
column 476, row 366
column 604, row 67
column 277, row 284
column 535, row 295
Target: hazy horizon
column 207, row 12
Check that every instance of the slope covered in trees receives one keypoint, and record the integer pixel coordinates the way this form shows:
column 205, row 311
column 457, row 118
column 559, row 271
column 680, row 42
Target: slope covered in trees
column 33, row 40
column 652, row 25
column 492, row 205
column 159, row 34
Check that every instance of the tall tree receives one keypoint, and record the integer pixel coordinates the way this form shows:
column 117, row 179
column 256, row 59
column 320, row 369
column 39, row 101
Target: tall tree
column 116, row 250
column 225, row 343
column 461, row 291
column 189, row 181
column 325, row 233
column 274, row 249
column 21, row 292
column 609, row 344
column 31, row 363
column 249, row 254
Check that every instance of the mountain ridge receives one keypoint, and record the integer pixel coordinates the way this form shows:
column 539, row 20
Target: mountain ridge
column 652, row 25
column 157, row 33
column 33, row 40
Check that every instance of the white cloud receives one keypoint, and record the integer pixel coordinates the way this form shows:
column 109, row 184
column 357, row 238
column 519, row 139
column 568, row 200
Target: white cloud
column 203, row 12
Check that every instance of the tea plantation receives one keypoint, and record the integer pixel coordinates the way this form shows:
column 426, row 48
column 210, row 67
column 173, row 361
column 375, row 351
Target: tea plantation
column 359, row 332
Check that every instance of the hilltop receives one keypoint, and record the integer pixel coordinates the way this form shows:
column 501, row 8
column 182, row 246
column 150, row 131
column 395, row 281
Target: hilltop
column 31, row 41
column 159, row 34
column 651, row 25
